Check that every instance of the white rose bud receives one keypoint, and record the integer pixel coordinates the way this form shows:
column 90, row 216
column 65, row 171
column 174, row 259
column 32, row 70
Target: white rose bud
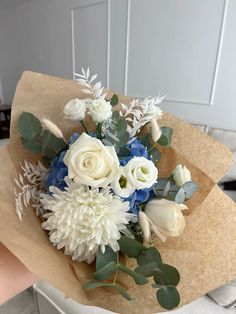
column 91, row 163
column 100, row 110
column 166, row 216
column 141, row 173
column 75, row 109
column 156, row 131
column 121, row 186
column 181, row 175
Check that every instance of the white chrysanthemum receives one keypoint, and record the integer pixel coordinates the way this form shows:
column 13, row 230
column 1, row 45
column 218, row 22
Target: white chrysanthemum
column 83, row 219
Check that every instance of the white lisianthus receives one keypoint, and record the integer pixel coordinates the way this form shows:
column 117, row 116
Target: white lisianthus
column 90, row 162
column 75, row 109
column 100, row 110
column 141, row 173
column 181, row 175
column 82, row 220
column 121, row 185
column 166, row 217
column 156, row 131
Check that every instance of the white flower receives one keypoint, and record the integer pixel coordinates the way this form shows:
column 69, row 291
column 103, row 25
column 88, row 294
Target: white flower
column 82, row 220
column 121, row 185
column 90, row 162
column 166, row 217
column 156, row 131
column 100, row 110
column 75, row 109
column 181, row 175
column 141, row 173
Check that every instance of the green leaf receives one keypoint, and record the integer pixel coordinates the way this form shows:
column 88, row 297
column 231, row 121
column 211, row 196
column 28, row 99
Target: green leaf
column 168, row 297
column 29, row 126
column 52, row 145
column 105, row 272
column 150, row 255
column 161, row 187
column 147, row 270
column 122, row 291
column 189, row 188
column 102, row 259
column 146, row 140
column 180, row 196
column 166, row 275
column 130, row 247
column 96, row 284
column 114, row 100
column 155, row 155
column 138, row 278
column 166, row 136
column 124, row 152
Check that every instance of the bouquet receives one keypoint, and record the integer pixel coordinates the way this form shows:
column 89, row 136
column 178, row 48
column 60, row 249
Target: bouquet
column 101, row 178
column 98, row 192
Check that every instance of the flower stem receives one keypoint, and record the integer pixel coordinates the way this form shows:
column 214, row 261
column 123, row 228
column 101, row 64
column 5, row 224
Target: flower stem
column 151, row 148
column 82, row 122
column 117, row 260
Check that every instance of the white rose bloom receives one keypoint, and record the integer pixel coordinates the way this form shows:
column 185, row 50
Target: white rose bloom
column 141, row 173
column 121, row 185
column 75, row 109
column 91, row 163
column 82, row 220
column 166, row 217
column 100, row 110
column 181, row 175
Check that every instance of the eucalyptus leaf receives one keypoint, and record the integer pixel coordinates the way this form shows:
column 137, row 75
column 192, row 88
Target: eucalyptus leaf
column 122, row 291
column 138, row 278
column 147, row 270
column 166, row 275
column 102, row 259
column 155, row 155
column 189, row 188
column 180, row 196
column 105, row 272
column 114, row 100
column 168, row 297
column 166, row 136
column 150, row 255
column 96, row 284
column 29, row 126
column 146, row 140
column 130, row 247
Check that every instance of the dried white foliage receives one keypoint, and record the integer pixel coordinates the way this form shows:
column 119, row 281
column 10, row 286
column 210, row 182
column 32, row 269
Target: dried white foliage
column 95, row 90
column 52, row 127
column 140, row 112
column 29, row 187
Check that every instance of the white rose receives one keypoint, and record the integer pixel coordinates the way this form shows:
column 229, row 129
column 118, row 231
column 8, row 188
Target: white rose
column 166, row 217
column 121, row 185
column 91, row 163
column 141, row 173
column 75, row 109
column 156, row 131
column 181, row 175
column 100, row 110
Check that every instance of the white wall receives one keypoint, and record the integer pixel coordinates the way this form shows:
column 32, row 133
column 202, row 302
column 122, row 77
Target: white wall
column 183, row 48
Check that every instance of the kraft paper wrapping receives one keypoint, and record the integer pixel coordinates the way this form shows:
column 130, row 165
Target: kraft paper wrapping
column 205, row 254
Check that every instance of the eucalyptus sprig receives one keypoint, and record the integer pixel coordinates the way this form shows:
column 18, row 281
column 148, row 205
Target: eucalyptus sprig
column 150, row 264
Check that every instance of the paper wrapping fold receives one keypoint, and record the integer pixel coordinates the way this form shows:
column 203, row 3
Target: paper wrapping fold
column 205, row 254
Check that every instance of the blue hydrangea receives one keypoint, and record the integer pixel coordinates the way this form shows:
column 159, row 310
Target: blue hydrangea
column 57, row 172
column 139, row 197
column 137, row 149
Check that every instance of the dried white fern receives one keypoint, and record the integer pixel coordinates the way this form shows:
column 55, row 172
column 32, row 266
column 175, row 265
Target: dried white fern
column 95, row 90
column 138, row 113
column 29, row 187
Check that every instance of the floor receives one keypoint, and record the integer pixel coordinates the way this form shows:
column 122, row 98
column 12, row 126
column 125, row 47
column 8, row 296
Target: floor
column 23, row 303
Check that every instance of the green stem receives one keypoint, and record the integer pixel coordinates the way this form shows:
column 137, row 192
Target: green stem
column 82, row 122
column 115, row 277
column 151, row 148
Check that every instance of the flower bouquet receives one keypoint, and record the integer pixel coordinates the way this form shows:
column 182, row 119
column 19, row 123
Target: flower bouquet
column 97, row 172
